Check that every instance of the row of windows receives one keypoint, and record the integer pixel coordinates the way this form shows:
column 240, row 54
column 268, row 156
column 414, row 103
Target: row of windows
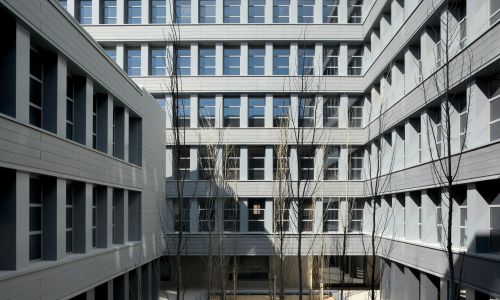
column 207, row 11
column 159, row 65
column 308, row 114
column 256, row 207
column 306, row 163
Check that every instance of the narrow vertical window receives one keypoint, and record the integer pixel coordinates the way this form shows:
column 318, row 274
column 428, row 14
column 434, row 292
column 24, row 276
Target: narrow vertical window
column 495, row 225
column 354, row 11
column 256, row 209
column 206, row 163
column 331, row 61
column 281, row 111
column 281, row 61
column 331, row 215
column 231, row 162
column 256, row 111
column 306, row 11
column 69, row 217
column 109, row 12
column 207, row 61
column 355, row 163
column 232, row 11
column 231, row 61
column 356, row 112
column 281, row 11
column 281, row 163
column 256, row 163
column 70, row 107
column 35, row 219
column 111, row 52
column 494, row 95
column 206, row 215
column 282, row 215
column 36, row 88
column 64, row 3
column 94, row 217
column 256, row 11
column 158, row 11
column 182, row 218
column 305, row 61
column 355, row 61
column 183, row 162
column 331, row 106
column 332, row 156
column 307, row 111
column 158, row 61
column 356, row 215
column 85, row 11
column 463, row 119
column 439, row 222
column 183, row 61
column 231, row 215
column 206, row 112
column 307, row 221
column 207, row 11
column 94, row 121
column 306, row 156
column 463, row 222
column 256, row 60
column 183, row 11
column 232, row 112
column 183, row 112
column 134, row 11
column 330, row 11
column 134, row 62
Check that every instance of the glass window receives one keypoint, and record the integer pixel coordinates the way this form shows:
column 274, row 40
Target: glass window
column 158, row 61
column 206, row 215
column 64, row 3
column 256, row 60
column 331, row 61
column 306, row 221
column 355, row 163
column 158, row 11
column 183, row 109
column 494, row 228
column 182, row 216
column 69, row 217
column 36, row 88
column 134, row 11
column 330, row 11
column 355, row 61
column 231, row 61
column 256, row 162
column 282, row 215
column 332, row 155
column 207, row 61
column 183, row 161
column 232, row 162
column 331, row 214
column 94, row 121
column 206, row 163
column 256, row 111
column 463, row 118
column 281, row 160
column 109, row 12
column 231, row 215
column 354, row 11
column 184, row 61
column 463, row 222
column 183, row 11
column 306, row 11
column 305, row 61
column 355, row 214
column 232, row 112
column 256, row 209
column 281, row 11
column 85, row 11
column 206, row 111
column 494, row 11
column 207, row 11
column 70, row 107
column 35, row 219
column 256, row 11
column 111, row 52
column 306, row 156
column 439, row 221
column 94, row 217
column 494, row 95
column 134, row 62
column 307, row 111
column 331, row 106
column 355, row 112
column 281, row 110
column 232, row 11
column 281, row 61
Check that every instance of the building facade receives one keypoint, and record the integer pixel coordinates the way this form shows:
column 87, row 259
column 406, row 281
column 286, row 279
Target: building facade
column 82, row 164
column 370, row 69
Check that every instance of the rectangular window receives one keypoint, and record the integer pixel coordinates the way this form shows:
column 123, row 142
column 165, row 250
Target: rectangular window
column 206, row 112
column 36, row 88
column 463, row 118
column 282, row 215
column 206, row 215
column 306, row 11
column 356, row 112
column 354, row 11
column 307, row 109
column 158, row 11
column 109, row 12
column 256, row 163
column 85, row 11
column 231, row 61
column 281, row 163
column 331, row 106
column 232, row 112
column 158, row 61
column 207, row 61
column 306, row 156
column 70, row 107
column 183, row 162
column 256, row 11
column 206, row 163
column 207, row 11
column 134, row 61
column 330, row 11
column 256, row 111
column 495, row 226
column 419, row 208
column 281, row 11
column 133, row 11
column 232, row 11
column 94, row 216
column 332, row 155
column 183, row 11
column 69, row 217
column 183, row 112
column 35, row 219
column 355, row 61
column 494, row 95
column 463, row 224
column 64, row 3
column 419, row 141
column 183, row 61
column 232, row 162
column 256, row 209
column 355, row 215
column 281, row 61
column 281, row 111
column 256, row 60
column 436, row 111
column 439, row 222
column 330, row 215
column 331, row 61
column 305, row 59
column 111, row 52
column 231, row 215
column 182, row 216
column 355, row 163
column 307, row 211
column 94, row 121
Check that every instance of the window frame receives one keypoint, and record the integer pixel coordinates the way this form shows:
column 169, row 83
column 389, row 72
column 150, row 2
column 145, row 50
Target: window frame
column 181, row 7
column 304, row 8
column 281, row 111
column 160, row 6
column 158, row 70
column 207, row 61
column 70, row 111
column 231, row 104
column 39, row 208
column 206, row 112
column 257, row 5
column 331, row 108
column 134, row 6
column 354, row 6
column 231, row 61
column 39, row 80
column 108, row 9
column 133, row 57
column 256, row 55
column 279, row 55
column 228, row 5
column 256, row 156
column 278, row 18
column 330, row 61
column 331, row 208
column 256, row 214
column 261, row 118
column 331, row 166
column 206, row 6
column 330, row 11
column 84, row 8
